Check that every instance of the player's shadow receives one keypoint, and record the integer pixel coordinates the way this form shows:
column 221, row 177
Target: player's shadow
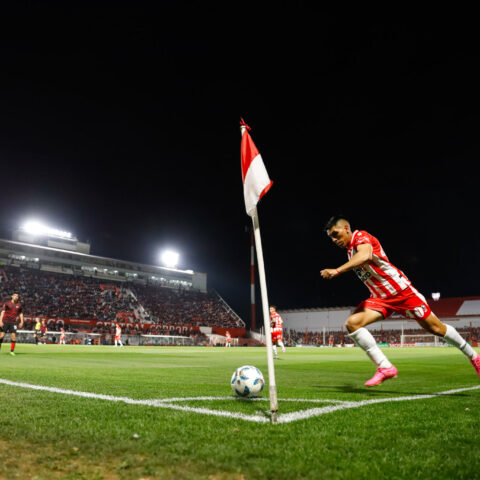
column 372, row 392
column 352, row 389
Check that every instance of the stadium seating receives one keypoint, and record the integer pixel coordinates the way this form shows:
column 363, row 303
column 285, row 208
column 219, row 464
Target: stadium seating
column 292, row 337
column 164, row 310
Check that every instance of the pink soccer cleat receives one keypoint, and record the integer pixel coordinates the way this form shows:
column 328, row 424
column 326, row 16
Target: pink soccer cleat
column 381, row 375
column 476, row 364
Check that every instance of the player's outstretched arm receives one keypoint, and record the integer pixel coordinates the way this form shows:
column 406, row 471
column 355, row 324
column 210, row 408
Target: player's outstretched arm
column 363, row 255
column 21, row 320
column 2, row 313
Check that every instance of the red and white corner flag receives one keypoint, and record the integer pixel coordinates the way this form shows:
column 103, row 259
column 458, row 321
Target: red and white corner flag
column 256, row 184
column 256, row 181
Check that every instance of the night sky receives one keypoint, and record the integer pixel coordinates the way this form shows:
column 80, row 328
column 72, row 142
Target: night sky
column 120, row 123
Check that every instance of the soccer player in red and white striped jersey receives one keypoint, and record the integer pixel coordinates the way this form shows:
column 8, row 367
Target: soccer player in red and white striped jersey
column 118, row 335
column 62, row 336
column 276, row 324
column 390, row 291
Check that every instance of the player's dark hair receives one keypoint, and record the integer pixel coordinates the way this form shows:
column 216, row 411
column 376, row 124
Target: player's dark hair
column 273, row 306
column 333, row 221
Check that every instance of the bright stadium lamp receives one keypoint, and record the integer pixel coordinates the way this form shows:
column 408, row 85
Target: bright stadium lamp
column 170, row 258
column 34, row 227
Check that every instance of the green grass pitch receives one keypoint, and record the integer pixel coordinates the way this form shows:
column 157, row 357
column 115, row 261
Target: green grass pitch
column 55, row 435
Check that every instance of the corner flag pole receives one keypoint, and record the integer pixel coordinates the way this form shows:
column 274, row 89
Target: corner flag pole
column 252, row 280
column 266, row 319
column 265, row 309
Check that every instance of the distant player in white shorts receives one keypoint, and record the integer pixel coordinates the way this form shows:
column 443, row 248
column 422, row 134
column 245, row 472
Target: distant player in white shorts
column 228, row 339
column 62, row 336
column 390, row 291
column 118, row 336
column 276, row 324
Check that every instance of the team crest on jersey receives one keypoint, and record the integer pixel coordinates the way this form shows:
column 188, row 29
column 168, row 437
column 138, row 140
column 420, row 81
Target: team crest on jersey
column 417, row 312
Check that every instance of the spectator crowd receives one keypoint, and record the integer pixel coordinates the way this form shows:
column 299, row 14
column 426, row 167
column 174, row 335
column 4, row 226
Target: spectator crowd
column 63, row 296
column 340, row 337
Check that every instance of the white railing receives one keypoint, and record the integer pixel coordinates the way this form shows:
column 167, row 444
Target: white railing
column 229, row 309
column 85, row 338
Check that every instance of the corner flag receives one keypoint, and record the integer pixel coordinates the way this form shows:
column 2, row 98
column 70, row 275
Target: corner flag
column 256, row 182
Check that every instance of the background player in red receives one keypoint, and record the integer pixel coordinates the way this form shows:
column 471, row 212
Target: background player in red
column 43, row 332
column 11, row 310
column 390, row 291
column 276, row 324
column 228, row 339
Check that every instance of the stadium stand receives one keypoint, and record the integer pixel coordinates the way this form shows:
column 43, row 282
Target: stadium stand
column 95, row 305
column 340, row 337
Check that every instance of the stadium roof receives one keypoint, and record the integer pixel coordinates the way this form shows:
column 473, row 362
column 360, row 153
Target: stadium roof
column 456, row 306
column 70, row 262
column 85, row 257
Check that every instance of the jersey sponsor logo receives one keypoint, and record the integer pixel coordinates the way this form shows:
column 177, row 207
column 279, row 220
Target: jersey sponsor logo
column 362, row 274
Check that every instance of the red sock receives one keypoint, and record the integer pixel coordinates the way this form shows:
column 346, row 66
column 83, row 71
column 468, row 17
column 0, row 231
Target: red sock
column 12, row 346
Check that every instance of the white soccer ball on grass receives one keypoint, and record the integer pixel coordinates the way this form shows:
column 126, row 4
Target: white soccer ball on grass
column 247, row 381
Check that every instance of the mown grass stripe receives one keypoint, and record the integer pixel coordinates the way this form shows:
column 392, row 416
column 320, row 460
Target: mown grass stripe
column 283, row 418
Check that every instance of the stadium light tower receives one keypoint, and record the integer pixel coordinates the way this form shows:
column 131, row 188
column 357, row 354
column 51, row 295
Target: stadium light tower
column 170, row 258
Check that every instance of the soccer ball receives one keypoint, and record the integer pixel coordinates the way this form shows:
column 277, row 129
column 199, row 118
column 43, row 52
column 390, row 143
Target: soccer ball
column 247, row 381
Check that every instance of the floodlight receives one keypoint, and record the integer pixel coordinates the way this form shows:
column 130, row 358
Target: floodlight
column 35, row 227
column 436, row 296
column 170, row 258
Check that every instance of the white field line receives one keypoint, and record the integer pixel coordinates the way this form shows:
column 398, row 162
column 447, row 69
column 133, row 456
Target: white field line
column 282, row 418
column 160, row 403
column 255, row 399
column 315, row 412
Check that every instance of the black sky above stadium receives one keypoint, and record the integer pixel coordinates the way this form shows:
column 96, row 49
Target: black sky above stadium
column 119, row 123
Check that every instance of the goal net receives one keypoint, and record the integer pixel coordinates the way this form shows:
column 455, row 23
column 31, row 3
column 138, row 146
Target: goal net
column 421, row 340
